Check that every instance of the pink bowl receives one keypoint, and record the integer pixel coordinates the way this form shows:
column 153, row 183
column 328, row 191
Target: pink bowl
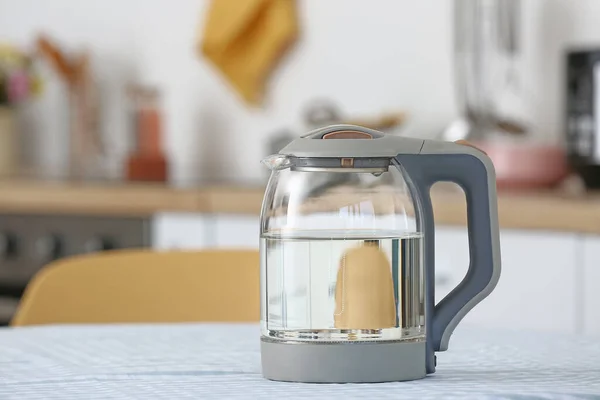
column 526, row 166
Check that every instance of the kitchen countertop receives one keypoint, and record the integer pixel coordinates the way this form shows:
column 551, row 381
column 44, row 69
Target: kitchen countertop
column 551, row 210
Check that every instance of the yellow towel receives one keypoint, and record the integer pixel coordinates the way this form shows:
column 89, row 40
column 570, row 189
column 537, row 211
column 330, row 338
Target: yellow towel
column 246, row 38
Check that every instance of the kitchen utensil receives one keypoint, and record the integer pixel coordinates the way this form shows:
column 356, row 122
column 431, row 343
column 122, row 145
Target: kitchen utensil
column 526, row 165
column 347, row 280
column 510, row 106
column 86, row 147
column 59, row 61
column 489, row 93
column 87, row 155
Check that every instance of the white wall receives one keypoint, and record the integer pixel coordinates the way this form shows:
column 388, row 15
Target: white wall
column 369, row 56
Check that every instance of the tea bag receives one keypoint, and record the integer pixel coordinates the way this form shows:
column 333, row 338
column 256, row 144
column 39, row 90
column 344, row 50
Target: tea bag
column 364, row 292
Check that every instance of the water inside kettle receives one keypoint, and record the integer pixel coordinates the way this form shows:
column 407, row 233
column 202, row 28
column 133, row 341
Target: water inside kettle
column 330, row 286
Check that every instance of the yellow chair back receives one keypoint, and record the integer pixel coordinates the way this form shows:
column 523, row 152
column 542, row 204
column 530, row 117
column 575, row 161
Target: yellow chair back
column 131, row 286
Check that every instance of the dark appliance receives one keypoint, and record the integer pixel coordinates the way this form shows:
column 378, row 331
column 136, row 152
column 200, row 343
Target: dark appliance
column 583, row 114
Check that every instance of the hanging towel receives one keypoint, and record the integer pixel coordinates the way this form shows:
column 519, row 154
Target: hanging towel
column 245, row 39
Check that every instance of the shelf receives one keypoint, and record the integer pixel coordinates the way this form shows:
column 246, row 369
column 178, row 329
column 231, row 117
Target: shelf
column 555, row 211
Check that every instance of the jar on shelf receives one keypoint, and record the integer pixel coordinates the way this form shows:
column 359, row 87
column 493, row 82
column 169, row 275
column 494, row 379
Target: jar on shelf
column 146, row 161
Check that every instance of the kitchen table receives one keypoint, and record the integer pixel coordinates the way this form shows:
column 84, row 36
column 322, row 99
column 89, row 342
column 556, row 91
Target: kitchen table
column 222, row 361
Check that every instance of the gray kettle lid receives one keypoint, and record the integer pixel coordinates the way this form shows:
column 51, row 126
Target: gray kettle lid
column 350, row 141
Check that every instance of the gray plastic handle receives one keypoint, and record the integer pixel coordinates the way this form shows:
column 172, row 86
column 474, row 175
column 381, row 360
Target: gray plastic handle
column 474, row 172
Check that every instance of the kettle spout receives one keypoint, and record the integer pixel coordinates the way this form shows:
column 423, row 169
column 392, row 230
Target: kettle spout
column 277, row 162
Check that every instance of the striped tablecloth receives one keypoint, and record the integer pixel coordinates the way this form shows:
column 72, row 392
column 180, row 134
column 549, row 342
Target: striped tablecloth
column 204, row 361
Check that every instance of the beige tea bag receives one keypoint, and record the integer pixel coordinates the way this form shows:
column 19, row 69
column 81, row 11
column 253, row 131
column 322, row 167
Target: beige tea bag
column 364, row 292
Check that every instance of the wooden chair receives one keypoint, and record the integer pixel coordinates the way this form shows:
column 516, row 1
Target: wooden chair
column 131, row 286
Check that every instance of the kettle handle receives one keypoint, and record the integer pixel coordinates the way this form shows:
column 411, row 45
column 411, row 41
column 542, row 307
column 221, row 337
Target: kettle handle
column 472, row 170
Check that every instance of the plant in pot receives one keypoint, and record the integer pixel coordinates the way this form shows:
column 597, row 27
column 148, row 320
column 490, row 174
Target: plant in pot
column 18, row 84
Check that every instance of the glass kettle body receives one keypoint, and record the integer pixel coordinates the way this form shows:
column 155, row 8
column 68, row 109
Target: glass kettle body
column 347, row 255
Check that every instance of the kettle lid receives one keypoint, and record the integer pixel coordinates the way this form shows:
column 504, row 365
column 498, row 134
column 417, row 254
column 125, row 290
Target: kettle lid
column 350, row 141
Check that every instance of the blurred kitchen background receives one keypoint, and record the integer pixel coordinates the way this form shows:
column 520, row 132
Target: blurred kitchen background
column 368, row 58
column 143, row 123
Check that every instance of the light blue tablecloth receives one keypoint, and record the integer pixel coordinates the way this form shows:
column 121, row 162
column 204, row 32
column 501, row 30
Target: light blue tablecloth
column 223, row 362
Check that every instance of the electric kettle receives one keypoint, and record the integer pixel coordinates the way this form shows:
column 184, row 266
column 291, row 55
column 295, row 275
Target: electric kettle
column 347, row 271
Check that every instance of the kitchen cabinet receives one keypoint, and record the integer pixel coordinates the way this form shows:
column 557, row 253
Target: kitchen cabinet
column 590, row 284
column 537, row 287
column 189, row 231
column 181, row 231
column 236, row 231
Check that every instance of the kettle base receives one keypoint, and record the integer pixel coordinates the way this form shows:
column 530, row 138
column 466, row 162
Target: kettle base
column 342, row 362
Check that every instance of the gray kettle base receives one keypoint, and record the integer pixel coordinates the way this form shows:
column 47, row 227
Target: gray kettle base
column 342, row 362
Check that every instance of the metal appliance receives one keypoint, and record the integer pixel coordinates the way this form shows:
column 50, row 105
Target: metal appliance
column 487, row 58
column 583, row 114
column 28, row 242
